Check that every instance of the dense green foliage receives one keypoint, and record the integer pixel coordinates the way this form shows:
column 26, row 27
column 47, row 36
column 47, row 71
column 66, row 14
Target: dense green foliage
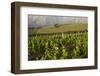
column 62, row 46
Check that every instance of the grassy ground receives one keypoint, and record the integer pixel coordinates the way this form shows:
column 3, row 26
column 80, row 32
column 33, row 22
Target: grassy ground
column 61, row 28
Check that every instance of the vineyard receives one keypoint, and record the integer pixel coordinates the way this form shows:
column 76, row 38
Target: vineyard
column 58, row 46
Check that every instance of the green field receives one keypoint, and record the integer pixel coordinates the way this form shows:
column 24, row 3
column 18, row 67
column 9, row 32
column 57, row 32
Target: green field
column 67, row 46
column 61, row 28
column 67, row 41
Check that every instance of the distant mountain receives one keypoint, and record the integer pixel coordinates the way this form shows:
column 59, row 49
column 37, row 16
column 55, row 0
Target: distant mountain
column 41, row 21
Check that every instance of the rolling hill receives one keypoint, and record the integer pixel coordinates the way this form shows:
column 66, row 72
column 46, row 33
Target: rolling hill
column 60, row 28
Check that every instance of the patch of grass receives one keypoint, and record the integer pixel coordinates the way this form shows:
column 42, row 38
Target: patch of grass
column 61, row 28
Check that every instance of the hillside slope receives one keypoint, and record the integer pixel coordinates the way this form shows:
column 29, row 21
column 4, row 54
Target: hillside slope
column 60, row 28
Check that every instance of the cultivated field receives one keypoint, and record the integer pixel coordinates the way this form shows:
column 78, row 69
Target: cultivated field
column 67, row 41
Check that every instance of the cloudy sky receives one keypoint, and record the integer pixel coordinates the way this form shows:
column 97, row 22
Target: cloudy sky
column 36, row 20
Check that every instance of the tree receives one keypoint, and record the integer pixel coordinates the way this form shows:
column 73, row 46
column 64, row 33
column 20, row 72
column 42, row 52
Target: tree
column 56, row 25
